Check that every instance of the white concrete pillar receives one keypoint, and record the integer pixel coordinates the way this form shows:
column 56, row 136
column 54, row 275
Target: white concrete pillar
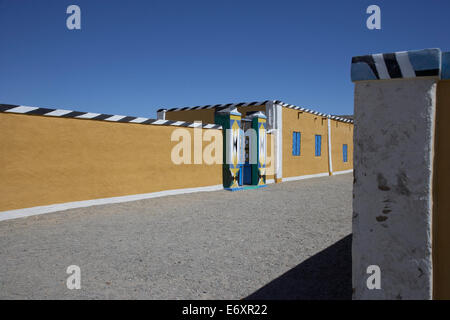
column 274, row 112
column 395, row 104
column 278, row 111
column 161, row 114
column 330, row 157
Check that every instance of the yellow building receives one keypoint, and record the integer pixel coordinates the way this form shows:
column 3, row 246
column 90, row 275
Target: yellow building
column 55, row 159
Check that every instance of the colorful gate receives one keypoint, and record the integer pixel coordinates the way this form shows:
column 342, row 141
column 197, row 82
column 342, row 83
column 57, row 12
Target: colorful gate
column 239, row 171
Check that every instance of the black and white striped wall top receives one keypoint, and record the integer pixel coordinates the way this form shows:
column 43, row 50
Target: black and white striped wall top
column 260, row 103
column 99, row 116
column 337, row 118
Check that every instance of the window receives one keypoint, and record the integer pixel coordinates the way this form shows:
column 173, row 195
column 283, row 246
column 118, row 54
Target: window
column 296, row 137
column 344, row 152
column 318, row 145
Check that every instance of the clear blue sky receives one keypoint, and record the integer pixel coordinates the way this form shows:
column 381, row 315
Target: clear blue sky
column 133, row 57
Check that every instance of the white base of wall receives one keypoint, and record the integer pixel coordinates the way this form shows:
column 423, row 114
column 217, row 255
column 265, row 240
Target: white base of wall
column 343, row 172
column 269, row 181
column 23, row 213
column 317, row 175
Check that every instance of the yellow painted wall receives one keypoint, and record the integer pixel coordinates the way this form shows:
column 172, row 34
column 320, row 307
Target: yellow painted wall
column 341, row 133
column 309, row 125
column 441, row 216
column 49, row 160
column 203, row 115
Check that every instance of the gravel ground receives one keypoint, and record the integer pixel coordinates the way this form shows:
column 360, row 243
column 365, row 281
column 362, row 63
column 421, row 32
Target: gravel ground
column 285, row 241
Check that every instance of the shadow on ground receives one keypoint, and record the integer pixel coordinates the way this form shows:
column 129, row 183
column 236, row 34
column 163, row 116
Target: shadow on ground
column 326, row 275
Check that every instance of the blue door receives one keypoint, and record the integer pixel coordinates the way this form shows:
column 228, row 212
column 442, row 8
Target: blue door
column 247, row 173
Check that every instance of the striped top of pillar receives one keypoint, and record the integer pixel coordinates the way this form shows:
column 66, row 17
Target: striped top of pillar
column 397, row 65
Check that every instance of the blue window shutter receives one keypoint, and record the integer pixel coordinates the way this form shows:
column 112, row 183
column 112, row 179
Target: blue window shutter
column 315, row 145
column 344, row 152
column 318, row 145
column 294, row 136
column 295, row 143
column 299, row 142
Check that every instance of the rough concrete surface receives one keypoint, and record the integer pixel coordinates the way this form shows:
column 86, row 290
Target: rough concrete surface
column 285, row 241
column 393, row 197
